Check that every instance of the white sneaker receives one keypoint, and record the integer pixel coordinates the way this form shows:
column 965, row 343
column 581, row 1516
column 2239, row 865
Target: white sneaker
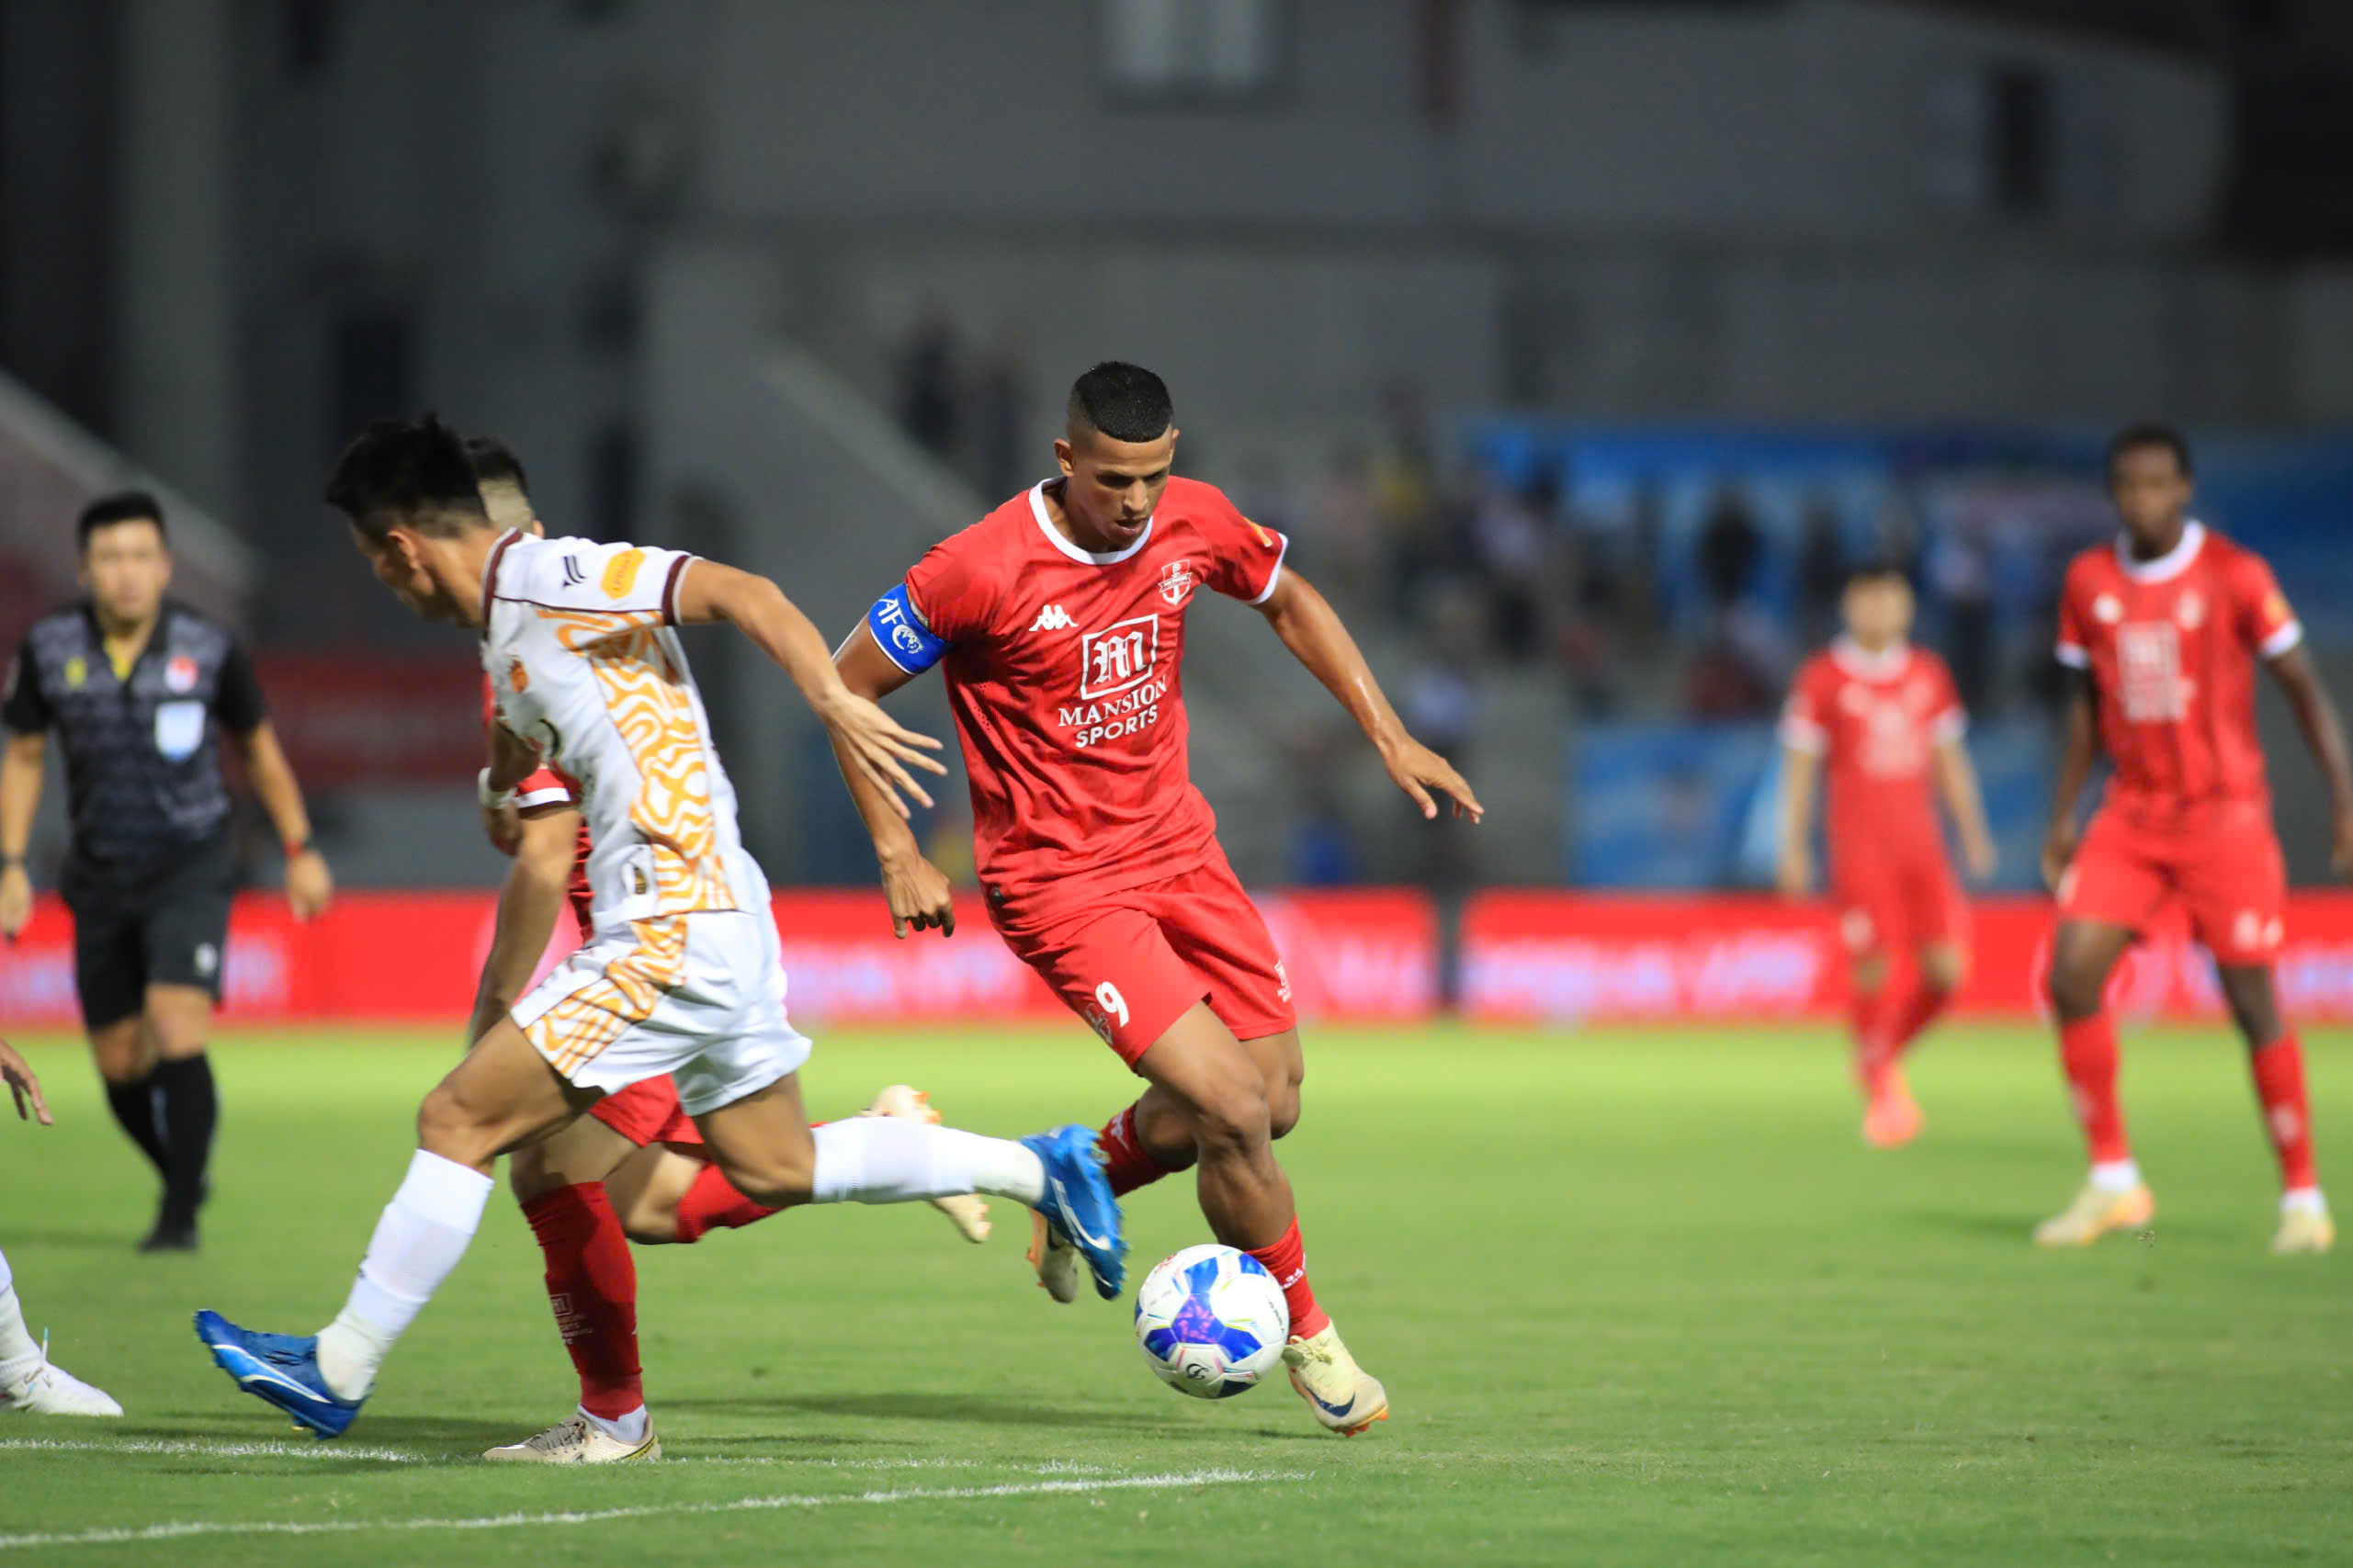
column 1056, row 1260
column 50, row 1390
column 1344, row 1396
column 576, row 1439
column 2305, row 1228
column 968, row 1211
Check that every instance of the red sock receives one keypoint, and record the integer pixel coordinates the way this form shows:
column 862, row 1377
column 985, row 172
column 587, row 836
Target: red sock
column 713, row 1203
column 1126, row 1164
column 2088, row 1050
column 1913, row 1012
column 592, row 1285
column 2279, row 1084
column 1287, row 1261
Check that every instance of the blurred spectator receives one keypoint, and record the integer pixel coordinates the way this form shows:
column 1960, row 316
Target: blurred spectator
column 1512, row 550
column 1730, row 547
column 1821, row 571
column 1960, row 581
column 1345, row 528
column 929, row 399
column 1001, row 461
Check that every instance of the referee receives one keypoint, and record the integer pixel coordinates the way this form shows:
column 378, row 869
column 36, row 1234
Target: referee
column 140, row 689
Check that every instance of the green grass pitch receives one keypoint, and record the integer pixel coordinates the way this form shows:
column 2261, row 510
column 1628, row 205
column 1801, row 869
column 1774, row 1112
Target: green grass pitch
column 1639, row 1296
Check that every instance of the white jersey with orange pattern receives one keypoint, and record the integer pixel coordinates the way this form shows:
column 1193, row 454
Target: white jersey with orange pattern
column 580, row 645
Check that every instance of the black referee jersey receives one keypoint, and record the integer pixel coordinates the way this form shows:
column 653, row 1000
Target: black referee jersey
column 142, row 753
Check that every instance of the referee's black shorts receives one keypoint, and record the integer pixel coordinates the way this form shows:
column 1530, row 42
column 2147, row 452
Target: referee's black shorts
column 166, row 926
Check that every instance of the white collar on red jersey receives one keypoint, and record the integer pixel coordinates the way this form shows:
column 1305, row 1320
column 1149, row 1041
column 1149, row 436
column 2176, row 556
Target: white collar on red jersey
column 2168, row 566
column 1855, row 659
column 1092, row 558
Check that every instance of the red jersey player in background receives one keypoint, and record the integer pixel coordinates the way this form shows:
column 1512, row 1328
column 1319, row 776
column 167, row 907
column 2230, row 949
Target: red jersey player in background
column 1883, row 720
column 2161, row 633
column 1059, row 618
column 633, row 1169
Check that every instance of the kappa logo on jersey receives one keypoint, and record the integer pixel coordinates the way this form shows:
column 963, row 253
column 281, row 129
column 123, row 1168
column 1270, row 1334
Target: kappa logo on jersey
column 1177, row 583
column 1053, row 618
column 574, row 576
column 1121, row 656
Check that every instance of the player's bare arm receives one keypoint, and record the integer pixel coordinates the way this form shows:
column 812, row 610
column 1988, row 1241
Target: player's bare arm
column 24, row 1087
column 20, row 765
column 921, row 897
column 1312, row 630
column 1801, row 781
column 1956, row 780
column 2077, row 755
column 530, row 903
column 309, row 886
column 874, row 743
column 2317, row 716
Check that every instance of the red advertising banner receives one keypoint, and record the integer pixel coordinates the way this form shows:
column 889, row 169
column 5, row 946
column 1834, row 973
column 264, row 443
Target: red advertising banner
column 414, row 957
column 1563, row 958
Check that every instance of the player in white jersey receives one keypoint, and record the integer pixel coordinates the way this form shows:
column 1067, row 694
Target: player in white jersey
column 29, row 1381
column 683, row 976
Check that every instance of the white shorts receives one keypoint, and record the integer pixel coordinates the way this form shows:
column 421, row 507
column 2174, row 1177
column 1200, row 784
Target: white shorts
column 699, row 997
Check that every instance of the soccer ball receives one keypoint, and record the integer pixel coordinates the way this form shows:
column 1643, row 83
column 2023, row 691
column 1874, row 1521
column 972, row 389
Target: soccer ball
column 1211, row 1321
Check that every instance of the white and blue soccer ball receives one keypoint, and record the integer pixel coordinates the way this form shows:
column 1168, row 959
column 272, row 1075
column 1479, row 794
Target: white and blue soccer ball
column 1211, row 1321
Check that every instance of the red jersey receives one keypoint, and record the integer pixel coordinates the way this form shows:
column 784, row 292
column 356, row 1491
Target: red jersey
column 2170, row 645
column 1876, row 721
column 1064, row 668
column 548, row 787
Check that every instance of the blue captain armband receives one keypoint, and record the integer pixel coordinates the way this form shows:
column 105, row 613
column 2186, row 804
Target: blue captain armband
column 902, row 634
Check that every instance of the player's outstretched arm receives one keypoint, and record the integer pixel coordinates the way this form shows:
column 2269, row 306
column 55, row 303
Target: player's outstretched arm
column 921, row 897
column 1794, row 865
column 20, row 765
column 2316, row 715
column 24, row 1087
column 1311, row 629
column 1956, row 779
column 309, row 886
column 530, row 903
column 2077, row 755
column 870, row 739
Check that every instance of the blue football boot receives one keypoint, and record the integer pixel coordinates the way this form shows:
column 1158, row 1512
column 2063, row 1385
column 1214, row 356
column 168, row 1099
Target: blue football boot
column 280, row 1370
column 1078, row 1203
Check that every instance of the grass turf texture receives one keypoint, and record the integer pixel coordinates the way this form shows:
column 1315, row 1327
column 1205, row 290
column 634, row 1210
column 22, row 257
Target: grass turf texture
column 1639, row 1297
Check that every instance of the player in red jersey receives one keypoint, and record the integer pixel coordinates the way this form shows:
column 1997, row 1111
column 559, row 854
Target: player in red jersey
column 634, row 1169
column 2161, row 633
column 1060, row 621
column 1883, row 720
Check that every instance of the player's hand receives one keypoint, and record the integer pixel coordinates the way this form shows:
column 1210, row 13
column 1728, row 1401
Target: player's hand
column 882, row 749
column 1417, row 769
column 24, row 1086
column 1978, row 856
column 502, row 824
column 309, row 886
column 16, row 901
column 2058, row 850
column 1793, row 872
column 921, row 895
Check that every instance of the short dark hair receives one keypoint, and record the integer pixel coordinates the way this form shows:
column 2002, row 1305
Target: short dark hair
column 495, row 463
column 407, row 471
column 1124, row 402
column 2144, row 434
column 122, row 506
column 1878, row 569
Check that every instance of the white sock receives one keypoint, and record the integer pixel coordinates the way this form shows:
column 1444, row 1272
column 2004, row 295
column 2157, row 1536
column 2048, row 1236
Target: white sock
column 629, row 1428
column 2116, row 1175
column 423, row 1231
column 2305, row 1199
column 19, row 1351
column 881, row 1160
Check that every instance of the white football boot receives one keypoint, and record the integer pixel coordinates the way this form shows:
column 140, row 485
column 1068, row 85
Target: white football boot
column 1057, row 1261
column 1344, row 1396
column 576, row 1439
column 2305, row 1227
column 50, row 1390
column 968, row 1211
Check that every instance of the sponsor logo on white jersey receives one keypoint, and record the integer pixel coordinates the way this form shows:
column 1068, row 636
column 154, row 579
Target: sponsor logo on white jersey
column 1053, row 618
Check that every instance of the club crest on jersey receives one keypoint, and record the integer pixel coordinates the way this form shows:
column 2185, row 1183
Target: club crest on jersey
column 1177, row 583
column 2108, row 609
column 179, row 675
column 2189, row 609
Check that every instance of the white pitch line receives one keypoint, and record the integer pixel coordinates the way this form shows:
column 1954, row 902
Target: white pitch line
column 183, row 1530
column 213, row 1450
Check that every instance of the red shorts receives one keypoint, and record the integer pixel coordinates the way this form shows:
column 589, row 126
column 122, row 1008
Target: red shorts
column 2227, row 873
column 647, row 1113
column 1898, row 902
column 1132, row 963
